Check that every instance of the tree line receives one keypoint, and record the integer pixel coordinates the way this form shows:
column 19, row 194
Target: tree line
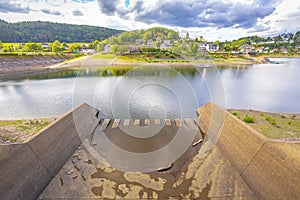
column 39, row 31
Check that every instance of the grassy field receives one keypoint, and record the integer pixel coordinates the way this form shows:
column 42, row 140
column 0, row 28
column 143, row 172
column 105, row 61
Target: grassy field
column 271, row 125
column 17, row 131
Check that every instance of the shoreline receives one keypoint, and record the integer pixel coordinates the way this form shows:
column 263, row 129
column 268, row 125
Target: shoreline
column 269, row 124
column 33, row 68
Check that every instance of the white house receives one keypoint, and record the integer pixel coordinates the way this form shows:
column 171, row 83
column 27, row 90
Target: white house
column 158, row 39
column 150, row 42
column 212, row 47
column 202, row 47
column 139, row 41
column 134, row 49
column 107, row 48
column 165, row 46
column 246, row 49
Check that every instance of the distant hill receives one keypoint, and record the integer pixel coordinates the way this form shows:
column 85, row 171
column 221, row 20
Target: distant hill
column 48, row 32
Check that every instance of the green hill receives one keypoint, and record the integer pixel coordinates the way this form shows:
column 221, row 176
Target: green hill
column 48, row 32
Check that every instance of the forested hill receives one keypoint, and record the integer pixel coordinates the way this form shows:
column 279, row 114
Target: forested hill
column 48, row 32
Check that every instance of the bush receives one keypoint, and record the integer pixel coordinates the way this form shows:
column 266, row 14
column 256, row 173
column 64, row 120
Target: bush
column 234, row 113
column 248, row 119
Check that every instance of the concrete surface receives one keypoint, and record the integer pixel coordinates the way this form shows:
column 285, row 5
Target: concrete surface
column 26, row 169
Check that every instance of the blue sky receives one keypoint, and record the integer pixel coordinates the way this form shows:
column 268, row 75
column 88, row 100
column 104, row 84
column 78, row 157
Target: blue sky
column 213, row 19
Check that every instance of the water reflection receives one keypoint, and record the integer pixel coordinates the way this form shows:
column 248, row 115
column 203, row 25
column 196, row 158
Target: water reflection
column 151, row 91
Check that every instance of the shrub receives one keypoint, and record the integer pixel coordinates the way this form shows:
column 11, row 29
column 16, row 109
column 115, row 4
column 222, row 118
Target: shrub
column 248, row 119
column 234, row 113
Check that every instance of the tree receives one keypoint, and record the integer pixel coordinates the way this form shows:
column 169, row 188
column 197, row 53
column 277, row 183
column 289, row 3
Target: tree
column 114, row 49
column 33, row 47
column 74, row 47
column 122, row 49
column 56, row 47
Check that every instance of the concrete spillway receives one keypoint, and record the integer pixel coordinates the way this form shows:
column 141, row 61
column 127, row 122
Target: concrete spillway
column 234, row 161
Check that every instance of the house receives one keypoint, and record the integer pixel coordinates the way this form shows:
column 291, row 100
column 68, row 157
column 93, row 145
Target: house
column 149, row 42
column 167, row 42
column 107, row 48
column 88, row 51
column 134, row 49
column 166, row 46
column 139, row 41
column 247, row 49
column 202, row 47
column 260, row 49
column 158, row 39
column 212, row 47
column 46, row 47
column 283, row 49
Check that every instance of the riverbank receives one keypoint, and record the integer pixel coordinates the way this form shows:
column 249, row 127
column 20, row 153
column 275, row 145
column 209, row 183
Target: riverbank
column 18, row 131
column 15, row 66
column 24, row 66
column 282, row 126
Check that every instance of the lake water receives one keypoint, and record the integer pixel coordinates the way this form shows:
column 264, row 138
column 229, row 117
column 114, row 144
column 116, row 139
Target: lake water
column 155, row 92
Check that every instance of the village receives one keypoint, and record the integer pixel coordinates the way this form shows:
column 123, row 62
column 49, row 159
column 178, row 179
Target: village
column 284, row 44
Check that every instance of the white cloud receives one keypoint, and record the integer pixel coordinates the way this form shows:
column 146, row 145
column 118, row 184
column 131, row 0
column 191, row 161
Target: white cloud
column 227, row 19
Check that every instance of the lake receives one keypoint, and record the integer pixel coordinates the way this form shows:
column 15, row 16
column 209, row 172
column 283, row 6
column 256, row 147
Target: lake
column 155, row 92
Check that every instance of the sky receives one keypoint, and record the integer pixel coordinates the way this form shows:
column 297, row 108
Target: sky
column 212, row 19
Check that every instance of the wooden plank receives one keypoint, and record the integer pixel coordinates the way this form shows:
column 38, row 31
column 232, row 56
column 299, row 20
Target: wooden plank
column 177, row 122
column 157, row 121
column 189, row 123
column 104, row 124
column 147, row 122
column 116, row 123
column 167, row 122
column 126, row 122
column 137, row 122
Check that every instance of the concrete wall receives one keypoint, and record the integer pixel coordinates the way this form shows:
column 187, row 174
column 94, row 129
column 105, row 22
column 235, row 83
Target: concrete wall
column 270, row 168
column 26, row 169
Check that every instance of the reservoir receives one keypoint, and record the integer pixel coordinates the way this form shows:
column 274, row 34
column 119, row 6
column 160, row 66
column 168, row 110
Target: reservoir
column 155, row 92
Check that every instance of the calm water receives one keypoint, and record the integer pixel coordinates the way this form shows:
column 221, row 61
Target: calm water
column 155, row 92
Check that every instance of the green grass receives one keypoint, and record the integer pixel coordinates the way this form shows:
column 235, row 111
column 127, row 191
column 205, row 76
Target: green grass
column 104, row 56
column 248, row 119
column 21, row 128
column 271, row 125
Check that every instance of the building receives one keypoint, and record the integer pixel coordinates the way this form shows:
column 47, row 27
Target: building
column 107, row 48
column 134, row 49
column 46, row 47
column 139, row 42
column 247, row 49
column 165, row 46
column 149, row 42
column 212, row 47
column 202, row 47
column 158, row 39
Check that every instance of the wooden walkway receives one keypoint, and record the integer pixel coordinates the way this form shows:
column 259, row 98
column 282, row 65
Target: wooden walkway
column 115, row 123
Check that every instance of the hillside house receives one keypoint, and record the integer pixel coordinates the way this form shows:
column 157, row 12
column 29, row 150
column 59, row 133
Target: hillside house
column 166, row 46
column 107, row 48
column 134, row 49
column 149, row 42
column 158, row 39
column 202, row 47
column 247, row 49
column 212, row 47
column 139, row 42
column 46, row 47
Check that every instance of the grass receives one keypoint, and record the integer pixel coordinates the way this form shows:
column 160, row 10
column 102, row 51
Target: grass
column 19, row 130
column 271, row 125
column 248, row 119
